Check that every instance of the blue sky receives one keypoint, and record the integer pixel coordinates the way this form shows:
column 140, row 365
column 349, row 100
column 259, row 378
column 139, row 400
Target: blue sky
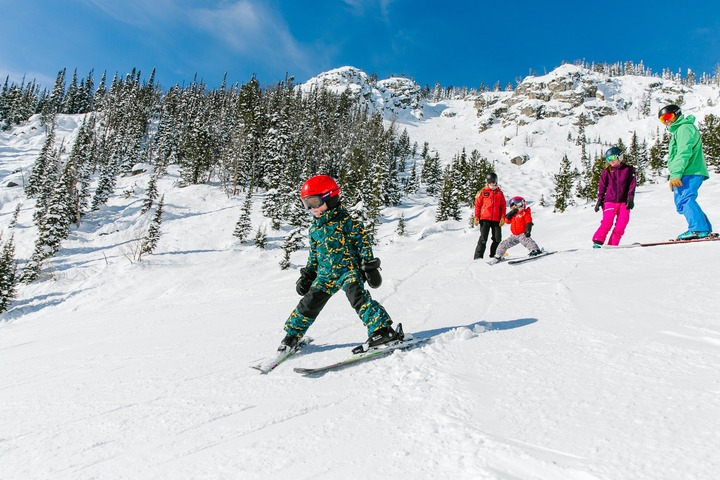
column 463, row 43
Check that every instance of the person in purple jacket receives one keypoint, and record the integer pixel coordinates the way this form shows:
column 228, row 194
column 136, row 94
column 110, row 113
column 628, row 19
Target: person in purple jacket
column 616, row 196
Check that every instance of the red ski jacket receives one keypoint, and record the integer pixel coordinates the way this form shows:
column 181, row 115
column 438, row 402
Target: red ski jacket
column 520, row 220
column 490, row 204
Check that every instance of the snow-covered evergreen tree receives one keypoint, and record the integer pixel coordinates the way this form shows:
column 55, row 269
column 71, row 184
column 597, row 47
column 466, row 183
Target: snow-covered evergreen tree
column 564, row 181
column 151, row 193
column 400, row 230
column 244, row 225
column 449, row 202
column 149, row 243
column 292, row 243
column 40, row 167
column 106, row 184
column 413, row 182
column 54, row 104
column 710, row 131
column 8, row 274
column 261, row 237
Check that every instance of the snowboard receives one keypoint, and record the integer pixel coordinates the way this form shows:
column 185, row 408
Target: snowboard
column 710, row 238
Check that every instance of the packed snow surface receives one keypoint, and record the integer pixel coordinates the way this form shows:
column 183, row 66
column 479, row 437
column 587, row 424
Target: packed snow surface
column 585, row 365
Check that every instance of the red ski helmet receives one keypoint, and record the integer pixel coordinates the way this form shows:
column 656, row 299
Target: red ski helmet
column 517, row 202
column 318, row 190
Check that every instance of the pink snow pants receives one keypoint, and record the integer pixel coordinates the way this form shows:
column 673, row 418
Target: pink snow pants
column 612, row 212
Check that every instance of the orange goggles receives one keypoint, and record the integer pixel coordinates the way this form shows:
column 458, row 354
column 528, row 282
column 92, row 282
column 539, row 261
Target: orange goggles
column 667, row 117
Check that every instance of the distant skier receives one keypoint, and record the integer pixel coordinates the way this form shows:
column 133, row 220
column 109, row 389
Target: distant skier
column 688, row 170
column 521, row 224
column 489, row 213
column 340, row 257
column 616, row 197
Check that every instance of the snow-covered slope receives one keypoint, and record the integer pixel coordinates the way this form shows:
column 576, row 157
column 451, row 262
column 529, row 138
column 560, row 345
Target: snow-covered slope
column 584, row 365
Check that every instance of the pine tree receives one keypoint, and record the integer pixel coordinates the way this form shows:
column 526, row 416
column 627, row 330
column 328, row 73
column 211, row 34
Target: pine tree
column 150, row 194
column 8, row 274
column 72, row 103
column 598, row 165
column 54, row 104
column 243, row 225
column 658, row 152
column 292, row 243
column 433, row 175
column 261, row 237
column 584, row 186
column 82, row 163
column 106, row 184
column 412, row 186
column 449, row 202
column 473, row 176
column 15, row 215
column 400, row 230
column 40, row 167
column 150, row 241
column 564, row 181
column 710, row 132
column 637, row 156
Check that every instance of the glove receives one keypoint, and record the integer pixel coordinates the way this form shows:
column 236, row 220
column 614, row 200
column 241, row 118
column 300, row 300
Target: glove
column 598, row 205
column 675, row 182
column 502, row 221
column 371, row 269
column 476, row 221
column 630, row 204
column 511, row 214
column 302, row 286
column 528, row 229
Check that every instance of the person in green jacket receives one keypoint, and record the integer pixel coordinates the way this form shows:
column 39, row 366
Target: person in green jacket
column 341, row 257
column 688, row 170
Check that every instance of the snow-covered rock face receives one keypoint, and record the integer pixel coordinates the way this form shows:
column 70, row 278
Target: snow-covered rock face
column 571, row 91
column 565, row 92
column 391, row 97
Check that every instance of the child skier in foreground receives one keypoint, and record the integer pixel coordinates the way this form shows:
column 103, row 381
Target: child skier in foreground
column 341, row 257
column 520, row 219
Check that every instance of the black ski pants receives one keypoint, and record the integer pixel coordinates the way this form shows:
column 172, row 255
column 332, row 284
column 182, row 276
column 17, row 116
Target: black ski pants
column 486, row 227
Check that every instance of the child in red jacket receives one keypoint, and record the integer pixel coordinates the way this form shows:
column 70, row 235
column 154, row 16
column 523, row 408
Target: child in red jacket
column 520, row 220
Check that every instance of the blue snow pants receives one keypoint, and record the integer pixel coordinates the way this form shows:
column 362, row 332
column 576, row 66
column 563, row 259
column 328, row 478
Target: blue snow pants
column 686, row 204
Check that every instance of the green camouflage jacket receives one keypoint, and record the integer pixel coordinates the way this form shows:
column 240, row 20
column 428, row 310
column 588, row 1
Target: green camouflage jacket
column 338, row 243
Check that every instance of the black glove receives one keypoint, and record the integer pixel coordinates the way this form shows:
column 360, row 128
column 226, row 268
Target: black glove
column 528, row 229
column 511, row 214
column 598, row 205
column 371, row 269
column 630, row 204
column 302, row 286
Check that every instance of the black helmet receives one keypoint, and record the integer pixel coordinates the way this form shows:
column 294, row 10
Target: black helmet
column 491, row 177
column 613, row 151
column 670, row 109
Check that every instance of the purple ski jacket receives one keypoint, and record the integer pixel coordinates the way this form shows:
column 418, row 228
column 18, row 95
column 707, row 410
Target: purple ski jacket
column 617, row 184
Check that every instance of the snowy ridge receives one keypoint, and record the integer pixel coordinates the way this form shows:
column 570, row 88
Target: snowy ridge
column 590, row 365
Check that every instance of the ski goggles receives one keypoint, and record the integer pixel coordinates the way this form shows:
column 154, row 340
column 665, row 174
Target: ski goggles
column 666, row 117
column 612, row 158
column 316, row 201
